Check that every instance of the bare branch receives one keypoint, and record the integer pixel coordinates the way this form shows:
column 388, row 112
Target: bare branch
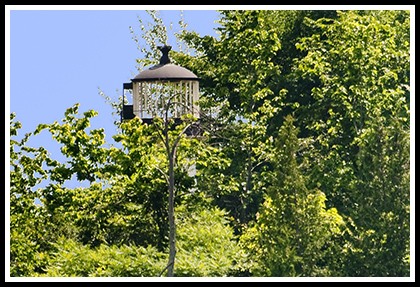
column 162, row 172
column 258, row 164
column 159, row 132
column 179, row 138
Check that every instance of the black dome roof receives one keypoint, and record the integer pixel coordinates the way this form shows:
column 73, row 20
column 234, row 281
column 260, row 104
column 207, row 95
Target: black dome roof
column 169, row 72
column 165, row 70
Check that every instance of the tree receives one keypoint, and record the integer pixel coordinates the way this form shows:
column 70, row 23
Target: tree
column 294, row 232
column 231, row 66
column 206, row 243
column 246, row 76
column 202, row 235
column 361, row 64
column 113, row 178
column 123, row 208
column 26, row 218
column 72, row 258
column 382, row 238
column 171, row 141
column 163, row 124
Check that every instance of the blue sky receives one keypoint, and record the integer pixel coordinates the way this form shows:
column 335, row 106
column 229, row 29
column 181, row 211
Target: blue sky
column 61, row 57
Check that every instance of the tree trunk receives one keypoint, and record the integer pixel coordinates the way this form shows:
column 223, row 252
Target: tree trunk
column 171, row 152
column 172, row 242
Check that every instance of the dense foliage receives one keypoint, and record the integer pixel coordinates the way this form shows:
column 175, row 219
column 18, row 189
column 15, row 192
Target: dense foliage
column 303, row 168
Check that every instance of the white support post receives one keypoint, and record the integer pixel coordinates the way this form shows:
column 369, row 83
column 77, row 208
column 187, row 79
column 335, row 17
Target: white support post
column 156, row 99
column 190, row 98
column 179, row 99
column 175, row 99
column 141, row 96
column 136, row 98
column 196, row 108
column 185, row 102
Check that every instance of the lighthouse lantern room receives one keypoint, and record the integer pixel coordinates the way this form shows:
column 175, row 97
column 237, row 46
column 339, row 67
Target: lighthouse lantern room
column 153, row 88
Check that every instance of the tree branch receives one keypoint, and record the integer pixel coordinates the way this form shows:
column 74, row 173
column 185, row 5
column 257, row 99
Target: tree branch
column 164, row 174
column 179, row 138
